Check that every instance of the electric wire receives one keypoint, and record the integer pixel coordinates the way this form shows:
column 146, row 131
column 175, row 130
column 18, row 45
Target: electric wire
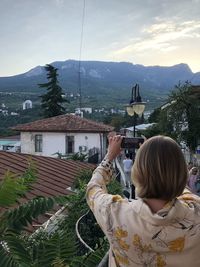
column 80, row 56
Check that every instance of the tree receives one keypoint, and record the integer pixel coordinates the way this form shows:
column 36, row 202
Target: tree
column 59, row 247
column 180, row 118
column 51, row 102
column 184, row 112
column 42, row 248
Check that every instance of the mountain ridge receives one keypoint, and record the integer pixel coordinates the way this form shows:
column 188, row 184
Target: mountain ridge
column 101, row 77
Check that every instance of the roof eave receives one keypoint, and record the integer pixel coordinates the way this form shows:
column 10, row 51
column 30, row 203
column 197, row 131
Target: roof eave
column 64, row 131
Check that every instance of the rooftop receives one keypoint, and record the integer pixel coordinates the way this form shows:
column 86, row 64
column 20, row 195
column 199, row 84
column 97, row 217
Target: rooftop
column 54, row 176
column 64, row 123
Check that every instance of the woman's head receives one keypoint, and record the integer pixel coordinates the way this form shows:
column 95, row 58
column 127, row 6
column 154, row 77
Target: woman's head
column 193, row 171
column 159, row 170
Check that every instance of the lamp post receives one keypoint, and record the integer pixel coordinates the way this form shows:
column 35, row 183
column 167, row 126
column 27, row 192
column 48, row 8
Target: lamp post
column 135, row 106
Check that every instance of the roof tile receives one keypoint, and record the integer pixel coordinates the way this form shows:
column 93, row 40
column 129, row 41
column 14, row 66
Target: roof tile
column 64, row 123
column 54, row 175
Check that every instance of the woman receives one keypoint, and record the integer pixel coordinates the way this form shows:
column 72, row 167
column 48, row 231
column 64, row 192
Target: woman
column 192, row 180
column 161, row 227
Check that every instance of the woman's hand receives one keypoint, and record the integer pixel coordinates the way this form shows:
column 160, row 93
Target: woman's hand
column 114, row 147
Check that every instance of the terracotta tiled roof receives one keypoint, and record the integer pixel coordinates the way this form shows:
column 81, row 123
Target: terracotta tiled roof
column 64, row 123
column 54, row 176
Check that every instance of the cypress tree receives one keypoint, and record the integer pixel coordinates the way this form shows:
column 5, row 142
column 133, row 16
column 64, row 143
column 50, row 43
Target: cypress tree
column 52, row 101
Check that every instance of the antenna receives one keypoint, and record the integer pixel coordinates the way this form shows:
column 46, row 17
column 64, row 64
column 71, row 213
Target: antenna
column 80, row 54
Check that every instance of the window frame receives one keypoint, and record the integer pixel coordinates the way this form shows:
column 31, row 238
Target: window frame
column 38, row 143
column 67, row 139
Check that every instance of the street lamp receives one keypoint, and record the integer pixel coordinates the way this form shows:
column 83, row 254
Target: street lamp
column 136, row 106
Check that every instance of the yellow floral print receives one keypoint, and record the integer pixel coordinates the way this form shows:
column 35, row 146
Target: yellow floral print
column 144, row 249
column 117, row 198
column 121, row 259
column 137, row 243
column 91, row 204
column 147, row 248
column 160, row 261
column 168, row 205
column 177, row 245
column 123, row 245
column 136, row 240
column 92, row 192
column 120, row 233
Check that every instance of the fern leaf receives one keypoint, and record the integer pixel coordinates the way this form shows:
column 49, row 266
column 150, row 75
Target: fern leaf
column 13, row 251
column 58, row 248
column 20, row 217
column 12, row 187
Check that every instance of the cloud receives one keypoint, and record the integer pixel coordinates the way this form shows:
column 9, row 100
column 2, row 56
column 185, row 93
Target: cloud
column 59, row 2
column 164, row 36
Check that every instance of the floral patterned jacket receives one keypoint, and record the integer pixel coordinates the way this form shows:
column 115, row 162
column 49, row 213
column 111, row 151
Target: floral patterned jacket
column 138, row 237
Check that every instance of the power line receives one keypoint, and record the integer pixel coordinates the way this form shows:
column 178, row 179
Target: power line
column 80, row 55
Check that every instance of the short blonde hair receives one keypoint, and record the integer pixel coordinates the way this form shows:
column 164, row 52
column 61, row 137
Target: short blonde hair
column 159, row 170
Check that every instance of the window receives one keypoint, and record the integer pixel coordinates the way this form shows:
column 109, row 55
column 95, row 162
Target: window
column 38, row 143
column 69, row 144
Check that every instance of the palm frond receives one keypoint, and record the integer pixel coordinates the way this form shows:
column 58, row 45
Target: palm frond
column 13, row 251
column 92, row 259
column 10, row 189
column 58, row 247
column 23, row 215
column 13, row 186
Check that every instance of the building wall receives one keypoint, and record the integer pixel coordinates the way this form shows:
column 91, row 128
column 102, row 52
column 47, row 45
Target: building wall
column 55, row 142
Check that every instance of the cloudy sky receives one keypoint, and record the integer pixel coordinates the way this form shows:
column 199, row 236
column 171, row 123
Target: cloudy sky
column 148, row 32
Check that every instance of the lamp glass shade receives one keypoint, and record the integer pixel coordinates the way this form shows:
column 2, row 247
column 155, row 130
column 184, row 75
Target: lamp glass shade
column 130, row 110
column 138, row 108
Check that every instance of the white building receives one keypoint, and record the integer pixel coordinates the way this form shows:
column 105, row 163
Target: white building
column 141, row 127
column 27, row 104
column 87, row 110
column 65, row 134
column 10, row 143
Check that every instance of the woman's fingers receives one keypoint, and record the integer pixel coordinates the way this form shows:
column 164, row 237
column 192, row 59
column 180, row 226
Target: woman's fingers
column 114, row 147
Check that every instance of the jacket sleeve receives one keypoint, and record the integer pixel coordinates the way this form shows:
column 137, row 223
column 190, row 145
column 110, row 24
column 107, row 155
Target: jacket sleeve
column 98, row 199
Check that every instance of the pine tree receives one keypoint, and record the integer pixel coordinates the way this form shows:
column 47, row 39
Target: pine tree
column 51, row 102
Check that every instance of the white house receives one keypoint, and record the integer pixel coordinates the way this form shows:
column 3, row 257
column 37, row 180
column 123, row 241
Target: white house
column 10, row 143
column 87, row 110
column 27, row 104
column 141, row 127
column 65, row 134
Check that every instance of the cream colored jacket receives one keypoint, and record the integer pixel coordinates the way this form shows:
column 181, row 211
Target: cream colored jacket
column 138, row 237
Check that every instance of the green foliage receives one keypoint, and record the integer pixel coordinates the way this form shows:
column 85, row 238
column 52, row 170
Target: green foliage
column 117, row 121
column 12, row 186
column 52, row 101
column 55, row 249
column 185, row 113
column 181, row 118
column 91, row 259
column 24, row 116
column 163, row 126
column 13, row 251
column 89, row 230
column 78, row 156
column 20, row 217
column 60, row 246
column 154, row 116
column 18, row 250
column 82, row 179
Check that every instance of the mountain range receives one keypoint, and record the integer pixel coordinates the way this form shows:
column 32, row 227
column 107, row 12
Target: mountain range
column 102, row 78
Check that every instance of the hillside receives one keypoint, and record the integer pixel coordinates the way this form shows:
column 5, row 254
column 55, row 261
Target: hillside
column 99, row 79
